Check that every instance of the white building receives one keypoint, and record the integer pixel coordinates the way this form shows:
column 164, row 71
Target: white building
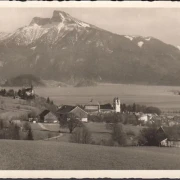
column 117, row 104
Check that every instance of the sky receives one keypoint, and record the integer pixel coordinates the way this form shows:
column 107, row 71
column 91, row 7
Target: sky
column 161, row 23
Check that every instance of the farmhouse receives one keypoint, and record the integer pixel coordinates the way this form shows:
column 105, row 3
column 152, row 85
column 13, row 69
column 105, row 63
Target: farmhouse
column 145, row 117
column 92, row 106
column 170, row 143
column 65, row 110
column 47, row 116
column 166, row 141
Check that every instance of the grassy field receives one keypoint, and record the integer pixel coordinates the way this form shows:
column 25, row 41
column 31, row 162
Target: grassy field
column 46, row 155
column 39, row 133
column 160, row 96
column 99, row 132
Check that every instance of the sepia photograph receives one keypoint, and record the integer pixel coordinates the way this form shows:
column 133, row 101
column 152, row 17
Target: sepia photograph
column 89, row 88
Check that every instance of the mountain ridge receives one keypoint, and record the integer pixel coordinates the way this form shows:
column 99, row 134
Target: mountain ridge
column 67, row 49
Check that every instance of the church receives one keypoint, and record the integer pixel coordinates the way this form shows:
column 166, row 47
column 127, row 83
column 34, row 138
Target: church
column 94, row 107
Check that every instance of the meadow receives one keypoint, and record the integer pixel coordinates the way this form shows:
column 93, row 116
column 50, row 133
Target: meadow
column 99, row 131
column 159, row 96
column 47, row 155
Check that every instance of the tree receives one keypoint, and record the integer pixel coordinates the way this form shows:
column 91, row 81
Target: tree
column 134, row 107
column 30, row 134
column 148, row 136
column 26, row 126
column 13, row 132
column 81, row 135
column 19, row 93
column 118, row 135
column 72, row 122
column 11, row 93
column 1, row 124
column 48, row 100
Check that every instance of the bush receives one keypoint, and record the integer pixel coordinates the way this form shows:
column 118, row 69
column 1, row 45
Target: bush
column 23, row 117
column 26, row 126
column 118, row 134
column 95, row 118
column 130, row 133
column 32, row 114
column 148, row 136
column 30, row 134
column 13, row 132
column 81, row 135
column 18, row 107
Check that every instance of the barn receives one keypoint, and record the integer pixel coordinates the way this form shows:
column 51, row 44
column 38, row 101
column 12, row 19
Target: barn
column 79, row 113
column 47, row 116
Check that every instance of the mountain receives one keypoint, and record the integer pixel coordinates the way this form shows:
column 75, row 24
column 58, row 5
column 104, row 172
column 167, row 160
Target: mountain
column 66, row 49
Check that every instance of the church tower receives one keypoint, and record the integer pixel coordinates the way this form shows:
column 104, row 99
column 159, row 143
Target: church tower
column 117, row 105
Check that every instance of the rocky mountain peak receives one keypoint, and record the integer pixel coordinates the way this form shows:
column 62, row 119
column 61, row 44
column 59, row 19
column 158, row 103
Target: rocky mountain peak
column 40, row 21
column 60, row 16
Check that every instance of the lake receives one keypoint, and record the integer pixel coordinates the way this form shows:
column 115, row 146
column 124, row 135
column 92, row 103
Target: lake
column 160, row 96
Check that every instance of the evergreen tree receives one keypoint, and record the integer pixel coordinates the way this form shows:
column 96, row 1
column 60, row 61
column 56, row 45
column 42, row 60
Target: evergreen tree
column 1, row 124
column 30, row 134
column 134, row 107
column 48, row 100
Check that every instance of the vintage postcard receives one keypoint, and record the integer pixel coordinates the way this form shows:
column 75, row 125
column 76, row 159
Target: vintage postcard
column 92, row 88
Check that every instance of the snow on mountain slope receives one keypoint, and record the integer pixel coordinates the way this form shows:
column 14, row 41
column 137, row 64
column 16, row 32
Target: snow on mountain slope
column 140, row 44
column 56, row 26
column 4, row 35
column 129, row 37
column 67, row 49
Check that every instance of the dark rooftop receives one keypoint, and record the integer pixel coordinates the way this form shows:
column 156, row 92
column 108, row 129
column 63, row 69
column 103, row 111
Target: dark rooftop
column 44, row 113
column 106, row 106
column 65, row 109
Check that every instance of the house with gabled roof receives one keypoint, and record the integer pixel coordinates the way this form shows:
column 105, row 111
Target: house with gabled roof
column 166, row 140
column 65, row 110
column 47, row 116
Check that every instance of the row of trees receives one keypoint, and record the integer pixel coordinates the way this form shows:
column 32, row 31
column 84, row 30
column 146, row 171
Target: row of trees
column 12, row 93
column 140, row 108
column 115, row 118
column 49, row 101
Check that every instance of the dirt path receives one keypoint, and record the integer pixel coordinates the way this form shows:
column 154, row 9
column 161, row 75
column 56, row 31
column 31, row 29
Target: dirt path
column 43, row 127
column 60, row 135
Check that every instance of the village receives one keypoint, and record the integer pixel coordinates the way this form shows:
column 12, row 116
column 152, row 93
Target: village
column 136, row 116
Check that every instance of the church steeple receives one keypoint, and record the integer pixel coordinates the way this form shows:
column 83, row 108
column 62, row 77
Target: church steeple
column 117, row 104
